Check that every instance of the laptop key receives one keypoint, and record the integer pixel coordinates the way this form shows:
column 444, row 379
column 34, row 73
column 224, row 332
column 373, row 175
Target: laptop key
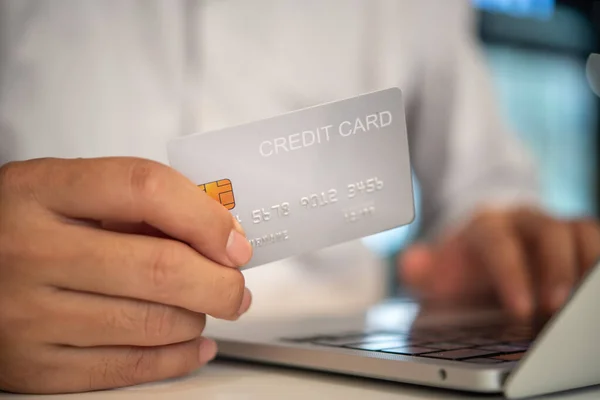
column 447, row 345
column 410, row 350
column 510, row 357
column 435, row 336
column 479, row 341
column 525, row 344
column 503, row 348
column 461, row 354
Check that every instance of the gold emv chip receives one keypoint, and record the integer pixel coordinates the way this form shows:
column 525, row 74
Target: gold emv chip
column 221, row 191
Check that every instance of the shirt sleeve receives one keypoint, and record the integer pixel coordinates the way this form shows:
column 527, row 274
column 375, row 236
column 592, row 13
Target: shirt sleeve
column 464, row 153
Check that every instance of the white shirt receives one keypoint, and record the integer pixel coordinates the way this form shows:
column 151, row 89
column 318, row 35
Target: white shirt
column 90, row 78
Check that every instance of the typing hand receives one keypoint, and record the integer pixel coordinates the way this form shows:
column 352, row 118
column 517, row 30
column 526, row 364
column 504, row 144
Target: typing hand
column 525, row 260
column 108, row 268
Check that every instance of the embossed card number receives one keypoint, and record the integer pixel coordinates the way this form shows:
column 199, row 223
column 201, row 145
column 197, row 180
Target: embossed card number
column 317, row 200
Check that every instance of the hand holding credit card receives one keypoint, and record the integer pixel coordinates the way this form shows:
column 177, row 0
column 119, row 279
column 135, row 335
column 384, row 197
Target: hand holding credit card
column 309, row 179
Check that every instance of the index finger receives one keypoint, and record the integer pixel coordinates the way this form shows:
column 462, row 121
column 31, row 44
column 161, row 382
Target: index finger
column 134, row 190
column 497, row 245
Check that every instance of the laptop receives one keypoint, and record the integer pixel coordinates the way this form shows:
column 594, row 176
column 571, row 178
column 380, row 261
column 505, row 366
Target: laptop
column 469, row 350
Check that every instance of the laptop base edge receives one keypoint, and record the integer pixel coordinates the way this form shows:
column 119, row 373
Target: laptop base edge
column 379, row 366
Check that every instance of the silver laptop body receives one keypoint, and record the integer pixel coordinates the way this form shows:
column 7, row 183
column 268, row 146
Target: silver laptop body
column 399, row 341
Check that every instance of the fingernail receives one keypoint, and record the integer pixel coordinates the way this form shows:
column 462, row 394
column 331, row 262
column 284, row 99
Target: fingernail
column 238, row 248
column 559, row 296
column 207, row 351
column 246, row 300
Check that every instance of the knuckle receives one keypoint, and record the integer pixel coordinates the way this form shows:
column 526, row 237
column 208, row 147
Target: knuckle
column 123, row 320
column 164, row 324
column 146, row 178
column 135, row 366
column 101, row 374
column 140, row 365
column 9, row 173
column 11, row 177
column 22, row 178
column 159, row 321
column 164, row 269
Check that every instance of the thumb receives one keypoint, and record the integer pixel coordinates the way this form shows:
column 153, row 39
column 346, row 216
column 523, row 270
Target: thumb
column 416, row 267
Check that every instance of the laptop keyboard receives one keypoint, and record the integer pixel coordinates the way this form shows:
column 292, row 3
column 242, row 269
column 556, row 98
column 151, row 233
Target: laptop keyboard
column 476, row 345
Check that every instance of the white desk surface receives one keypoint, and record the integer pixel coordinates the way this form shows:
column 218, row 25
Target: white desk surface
column 228, row 380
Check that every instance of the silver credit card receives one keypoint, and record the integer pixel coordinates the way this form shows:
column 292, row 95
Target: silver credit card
column 309, row 179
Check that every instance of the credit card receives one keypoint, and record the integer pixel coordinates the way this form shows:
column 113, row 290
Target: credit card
column 309, row 179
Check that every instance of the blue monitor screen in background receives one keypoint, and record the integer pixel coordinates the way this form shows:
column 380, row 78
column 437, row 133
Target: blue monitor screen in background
column 519, row 8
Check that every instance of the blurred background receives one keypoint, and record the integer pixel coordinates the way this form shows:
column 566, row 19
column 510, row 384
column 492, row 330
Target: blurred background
column 537, row 51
